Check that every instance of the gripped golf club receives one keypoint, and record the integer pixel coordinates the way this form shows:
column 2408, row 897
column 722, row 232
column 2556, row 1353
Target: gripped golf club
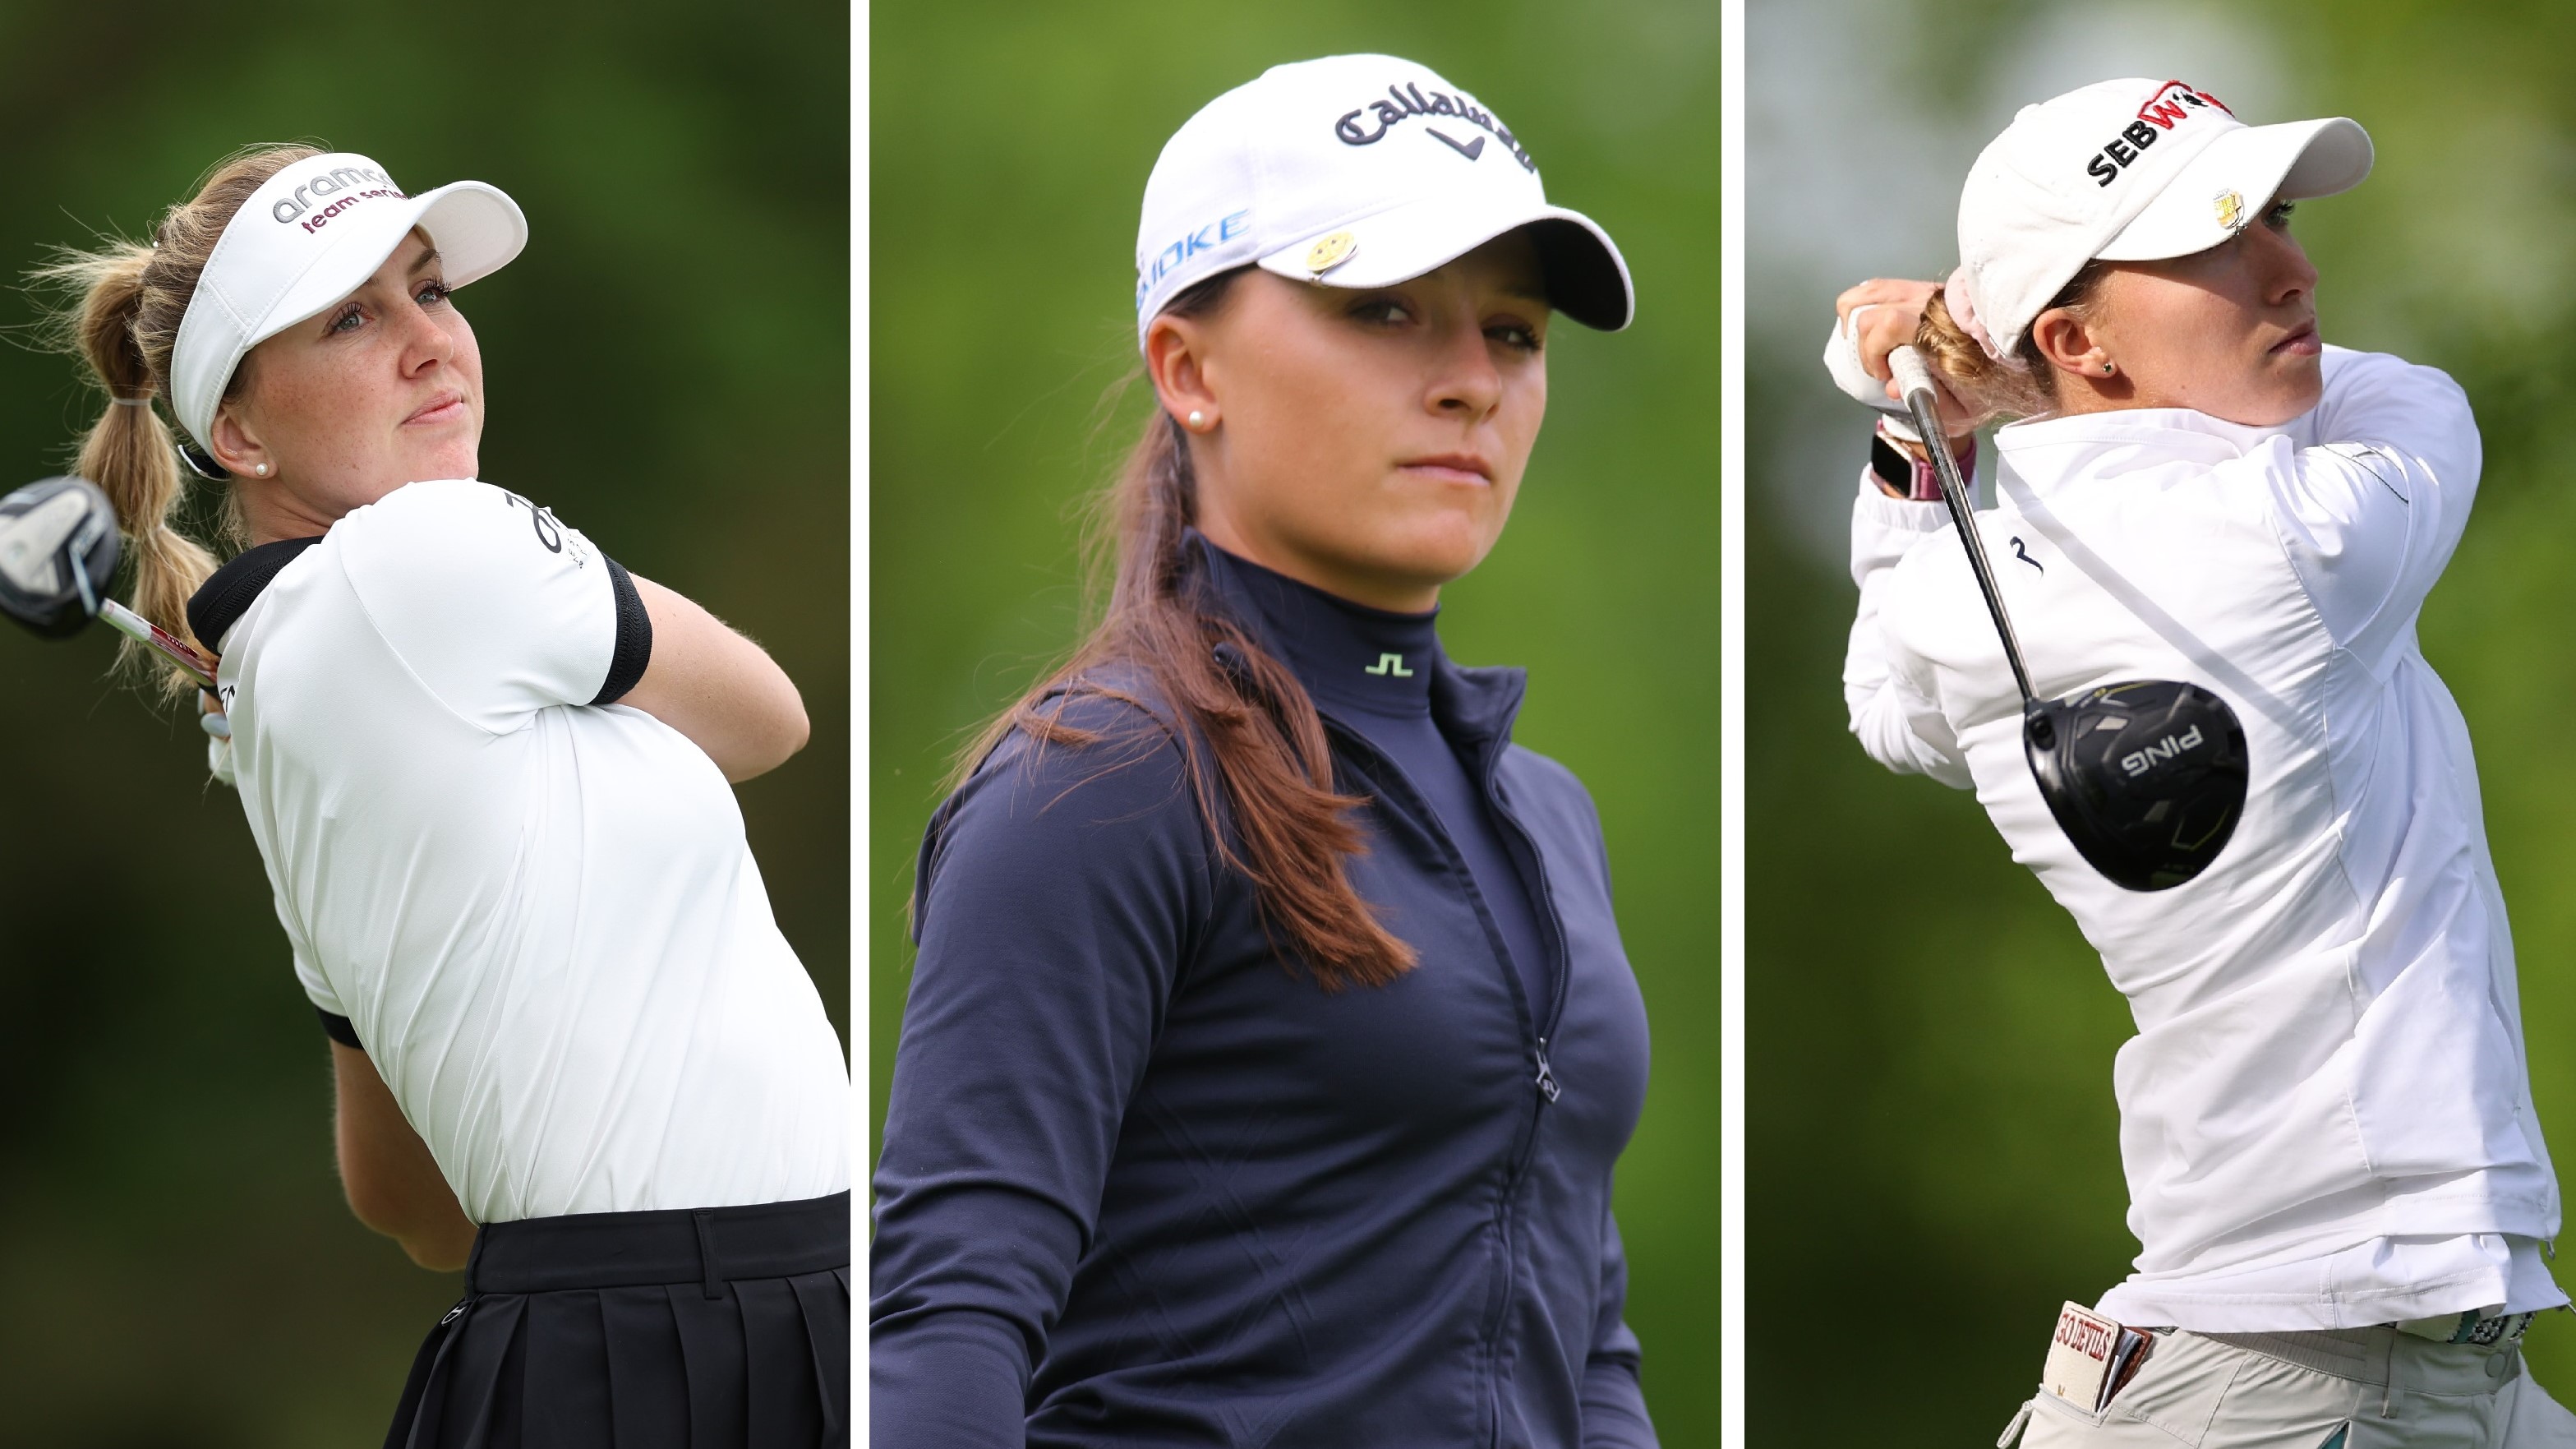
column 2147, row 777
column 58, row 551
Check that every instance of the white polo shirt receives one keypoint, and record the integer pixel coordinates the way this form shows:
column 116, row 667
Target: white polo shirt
column 2325, row 1116
column 538, row 911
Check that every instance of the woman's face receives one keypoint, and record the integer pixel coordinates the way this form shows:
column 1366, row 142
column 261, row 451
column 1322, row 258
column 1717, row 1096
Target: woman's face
column 1368, row 442
column 2231, row 331
column 381, row 389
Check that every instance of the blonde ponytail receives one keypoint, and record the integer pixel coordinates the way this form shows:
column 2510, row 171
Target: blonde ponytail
column 124, row 302
column 2024, row 387
column 129, row 453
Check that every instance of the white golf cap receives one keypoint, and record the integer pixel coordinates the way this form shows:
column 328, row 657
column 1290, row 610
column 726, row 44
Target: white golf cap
column 2126, row 170
column 311, row 235
column 1357, row 171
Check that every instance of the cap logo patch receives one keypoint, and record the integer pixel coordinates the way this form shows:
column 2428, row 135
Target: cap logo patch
column 2172, row 104
column 1404, row 102
column 1206, row 239
column 1330, row 252
column 343, row 182
column 2231, row 209
column 1470, row 152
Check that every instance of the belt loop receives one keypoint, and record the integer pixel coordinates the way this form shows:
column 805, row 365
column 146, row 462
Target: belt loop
column 707, row 1264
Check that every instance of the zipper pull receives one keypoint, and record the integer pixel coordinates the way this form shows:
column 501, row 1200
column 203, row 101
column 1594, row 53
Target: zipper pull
column 1546, row 1079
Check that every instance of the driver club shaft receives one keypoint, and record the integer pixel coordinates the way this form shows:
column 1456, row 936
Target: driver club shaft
column 1914, row 379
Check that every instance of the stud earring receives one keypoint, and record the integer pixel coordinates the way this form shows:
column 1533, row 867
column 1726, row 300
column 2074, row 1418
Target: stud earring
column 1197, row 421
column 2106, row 369
column 259, row 470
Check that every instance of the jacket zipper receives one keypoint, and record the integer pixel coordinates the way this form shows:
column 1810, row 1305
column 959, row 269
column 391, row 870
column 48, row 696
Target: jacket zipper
column 1547, row 1088
column 1560, row 960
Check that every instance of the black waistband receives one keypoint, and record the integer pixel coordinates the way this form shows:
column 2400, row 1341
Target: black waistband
column 680, row 1245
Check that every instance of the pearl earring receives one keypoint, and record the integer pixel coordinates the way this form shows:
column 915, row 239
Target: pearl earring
column 1197, row 421
column 259, row 470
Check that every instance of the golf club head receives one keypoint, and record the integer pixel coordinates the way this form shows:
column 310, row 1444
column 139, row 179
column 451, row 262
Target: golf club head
column 58, row 550
column 2147, row 777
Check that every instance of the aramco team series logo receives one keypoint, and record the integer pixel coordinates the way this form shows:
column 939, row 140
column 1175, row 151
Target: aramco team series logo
column 340, row 182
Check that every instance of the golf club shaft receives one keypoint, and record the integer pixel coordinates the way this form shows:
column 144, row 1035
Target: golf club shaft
column 1923, row 400
column 143, row 631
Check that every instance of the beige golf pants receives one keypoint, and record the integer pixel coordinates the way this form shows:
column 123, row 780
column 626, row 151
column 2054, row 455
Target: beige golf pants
column 2365, row 1388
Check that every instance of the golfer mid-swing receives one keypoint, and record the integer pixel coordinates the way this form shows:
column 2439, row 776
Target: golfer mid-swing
column 2336, row 1177
column 487, row 772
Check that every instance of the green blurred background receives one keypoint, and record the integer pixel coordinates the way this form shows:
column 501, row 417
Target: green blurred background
column 1932, row 1160
column 1008, row 150
column 668, row 367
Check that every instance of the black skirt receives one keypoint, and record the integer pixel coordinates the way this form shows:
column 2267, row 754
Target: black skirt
column 714, row 1328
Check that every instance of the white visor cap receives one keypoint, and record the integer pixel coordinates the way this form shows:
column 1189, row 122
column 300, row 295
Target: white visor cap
column 311, row 235
column 2131, row 171
column 1357, row 171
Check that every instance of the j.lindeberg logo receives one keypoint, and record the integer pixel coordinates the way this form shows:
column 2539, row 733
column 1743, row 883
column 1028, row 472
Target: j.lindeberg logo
column 340, row 181
column 1409, row 101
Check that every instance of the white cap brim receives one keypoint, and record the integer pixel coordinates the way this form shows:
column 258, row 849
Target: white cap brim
column 2226, row 188
column 1586, row 277
column 476, row 228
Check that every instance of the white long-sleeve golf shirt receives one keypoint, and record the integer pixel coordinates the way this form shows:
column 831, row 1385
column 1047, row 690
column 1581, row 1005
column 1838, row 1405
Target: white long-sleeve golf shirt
column 2325, row 1116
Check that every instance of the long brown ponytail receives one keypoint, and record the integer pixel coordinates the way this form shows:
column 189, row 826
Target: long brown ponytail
column 1251, row 739
column 121, row 317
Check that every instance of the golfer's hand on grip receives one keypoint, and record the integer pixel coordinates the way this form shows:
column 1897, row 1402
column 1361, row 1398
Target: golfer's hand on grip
column 1883, row 314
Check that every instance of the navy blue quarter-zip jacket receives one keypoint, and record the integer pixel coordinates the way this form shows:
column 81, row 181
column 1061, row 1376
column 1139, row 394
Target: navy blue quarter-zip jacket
column 1144, row 1184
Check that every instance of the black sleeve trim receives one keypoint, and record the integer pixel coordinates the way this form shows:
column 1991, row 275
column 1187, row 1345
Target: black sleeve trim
column 338, row 1029
column 634, row 638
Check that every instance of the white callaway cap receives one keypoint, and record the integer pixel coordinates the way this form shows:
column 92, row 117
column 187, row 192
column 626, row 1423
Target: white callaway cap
column 311, row 235
column 1357, row 171
column 2126, row 171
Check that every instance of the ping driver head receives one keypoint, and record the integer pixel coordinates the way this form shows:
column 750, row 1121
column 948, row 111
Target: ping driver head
column 58, row 550
column 2147, row 777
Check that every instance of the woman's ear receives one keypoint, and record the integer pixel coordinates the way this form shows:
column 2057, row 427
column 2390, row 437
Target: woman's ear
column 1176, row 359
column 237, row 446
column 2067, row 340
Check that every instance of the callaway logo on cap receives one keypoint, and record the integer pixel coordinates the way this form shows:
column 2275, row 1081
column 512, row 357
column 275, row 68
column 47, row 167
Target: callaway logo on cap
column 2126, row 170
column 311, row 235
column 1357, row 171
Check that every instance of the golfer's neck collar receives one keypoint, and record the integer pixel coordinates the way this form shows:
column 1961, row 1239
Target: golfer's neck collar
column 2045, row 448
column 227, row 594
column 1346, row 653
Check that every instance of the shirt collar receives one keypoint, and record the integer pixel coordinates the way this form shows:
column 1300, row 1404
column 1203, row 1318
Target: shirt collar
column 226, row 595
column 1353, row 657
column 2046, row 452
